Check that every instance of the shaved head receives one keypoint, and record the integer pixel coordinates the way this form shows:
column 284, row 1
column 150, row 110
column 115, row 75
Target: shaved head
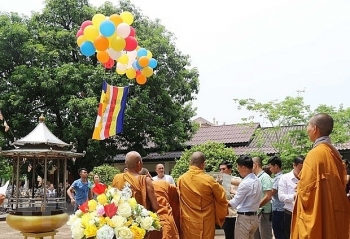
column 144, row 171
column 324, row 123
column 132, row 160
column 197, row 159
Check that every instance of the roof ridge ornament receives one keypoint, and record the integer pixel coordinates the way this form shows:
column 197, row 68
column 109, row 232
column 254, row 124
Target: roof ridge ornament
column 41, row 118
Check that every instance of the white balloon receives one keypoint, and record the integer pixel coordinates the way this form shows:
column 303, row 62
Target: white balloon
column 113, row 54
column 123, row 30
column 132, row 54
column 121, row 66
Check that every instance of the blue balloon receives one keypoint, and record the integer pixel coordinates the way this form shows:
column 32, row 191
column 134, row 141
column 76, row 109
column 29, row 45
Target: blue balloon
column 135, row 65
column 87, row 48
column 138, row 65
column 107, row 28
column 152, row 63
column 141, row 52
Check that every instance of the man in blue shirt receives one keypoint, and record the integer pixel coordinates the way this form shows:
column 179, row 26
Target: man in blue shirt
column 81, row 188
column 246, row 199
column 275, row 165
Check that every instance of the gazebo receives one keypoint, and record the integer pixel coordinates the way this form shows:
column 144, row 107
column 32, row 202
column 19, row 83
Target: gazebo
column 34, row 210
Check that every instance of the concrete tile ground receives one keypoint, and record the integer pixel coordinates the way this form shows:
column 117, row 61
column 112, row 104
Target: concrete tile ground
column 63, row 233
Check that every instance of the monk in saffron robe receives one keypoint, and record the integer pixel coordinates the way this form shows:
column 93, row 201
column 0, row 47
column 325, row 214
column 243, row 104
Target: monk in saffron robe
column 321, row 208
column 141, row 185
column 202, row 201
column 168, row 200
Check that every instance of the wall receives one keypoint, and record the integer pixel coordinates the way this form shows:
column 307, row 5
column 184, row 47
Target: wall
column 151, row 166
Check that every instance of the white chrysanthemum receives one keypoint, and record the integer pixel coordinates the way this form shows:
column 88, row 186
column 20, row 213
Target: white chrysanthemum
column 146, row 223
column 79, row 213
column 72, row 219
column 118, row 221
column 105, row 232
column 77, row 229
column 124, row 233
column 124, row 210
column 145, row 212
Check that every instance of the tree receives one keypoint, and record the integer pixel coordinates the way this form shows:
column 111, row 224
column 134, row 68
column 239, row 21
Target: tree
column 105, row 172
column 42, row 71
column 215, row 153
column 290, row 112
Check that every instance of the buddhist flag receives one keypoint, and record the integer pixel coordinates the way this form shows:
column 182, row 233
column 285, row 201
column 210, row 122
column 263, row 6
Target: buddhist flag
column 110, row 116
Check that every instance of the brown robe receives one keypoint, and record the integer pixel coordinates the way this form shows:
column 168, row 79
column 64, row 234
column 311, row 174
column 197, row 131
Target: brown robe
column 202, row 203
column 321, row 207
column 168, row 200
column 138, row 186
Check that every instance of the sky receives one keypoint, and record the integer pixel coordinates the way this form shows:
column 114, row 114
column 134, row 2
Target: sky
column 264, row 50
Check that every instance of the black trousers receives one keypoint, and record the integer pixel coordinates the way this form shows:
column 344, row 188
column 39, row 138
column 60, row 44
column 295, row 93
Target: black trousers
column 287, row 222
column 229, row 227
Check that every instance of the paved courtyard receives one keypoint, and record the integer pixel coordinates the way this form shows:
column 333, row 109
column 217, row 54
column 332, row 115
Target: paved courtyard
column 63, row 233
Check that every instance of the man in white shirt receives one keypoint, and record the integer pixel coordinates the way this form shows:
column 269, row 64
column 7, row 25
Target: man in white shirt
column 286, row 192
column 161, row 175
column 246, row 200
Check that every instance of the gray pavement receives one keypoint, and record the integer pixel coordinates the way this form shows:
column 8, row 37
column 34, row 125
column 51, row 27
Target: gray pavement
column 7, row 232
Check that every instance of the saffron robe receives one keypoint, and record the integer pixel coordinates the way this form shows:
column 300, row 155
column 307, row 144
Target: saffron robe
column 137, row 184
column 168, row 200
column 202, row 204
column 321, row 207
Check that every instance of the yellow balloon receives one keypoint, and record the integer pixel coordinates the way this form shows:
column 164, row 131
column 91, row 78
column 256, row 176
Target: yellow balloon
column 80, row 40
column 149, row 54
column 90, row 33
column 130, row 73
column 147, row 71
column 124, row 59
column 118, row 44
column 97, row 19
column 111, row 38
column 120, row 72
column 127, row 17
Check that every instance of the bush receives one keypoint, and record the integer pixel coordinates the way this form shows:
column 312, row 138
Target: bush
column 105, row 172
column 214, row 153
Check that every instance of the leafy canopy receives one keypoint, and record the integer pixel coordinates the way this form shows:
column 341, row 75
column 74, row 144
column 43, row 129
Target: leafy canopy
column 215, row 153
column 43, row 72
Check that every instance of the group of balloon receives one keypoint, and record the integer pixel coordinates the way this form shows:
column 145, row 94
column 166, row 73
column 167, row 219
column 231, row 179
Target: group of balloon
column 113, row 39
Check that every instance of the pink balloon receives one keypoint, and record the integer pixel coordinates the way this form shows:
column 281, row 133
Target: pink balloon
column 85, row 24
column 132, row 32
column 131, row 43
column 79, row 33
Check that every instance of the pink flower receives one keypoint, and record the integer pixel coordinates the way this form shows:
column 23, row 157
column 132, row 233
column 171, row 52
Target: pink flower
column 100, row 210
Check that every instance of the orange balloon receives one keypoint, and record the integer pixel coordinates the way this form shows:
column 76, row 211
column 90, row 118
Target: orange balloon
column 141, row 79
column 102, row 56
column 143, row 61
column 116, row 19
column 101, row 43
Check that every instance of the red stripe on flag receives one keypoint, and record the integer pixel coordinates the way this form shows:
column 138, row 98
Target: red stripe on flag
column 112, row 103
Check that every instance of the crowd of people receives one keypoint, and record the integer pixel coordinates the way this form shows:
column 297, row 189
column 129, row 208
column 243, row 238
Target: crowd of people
column 310, row 201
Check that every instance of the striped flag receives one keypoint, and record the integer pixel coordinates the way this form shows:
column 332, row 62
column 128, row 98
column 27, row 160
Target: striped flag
column 110, row 116
column 7, row 127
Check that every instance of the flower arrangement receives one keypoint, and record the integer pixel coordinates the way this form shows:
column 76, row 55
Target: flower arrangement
column 113, row 214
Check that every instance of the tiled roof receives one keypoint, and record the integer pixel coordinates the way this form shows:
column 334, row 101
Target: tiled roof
column 343, row 146
column 270, row 135
column 201, row 121
column 170, row 156
column 227, row 134
column 264, row 140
